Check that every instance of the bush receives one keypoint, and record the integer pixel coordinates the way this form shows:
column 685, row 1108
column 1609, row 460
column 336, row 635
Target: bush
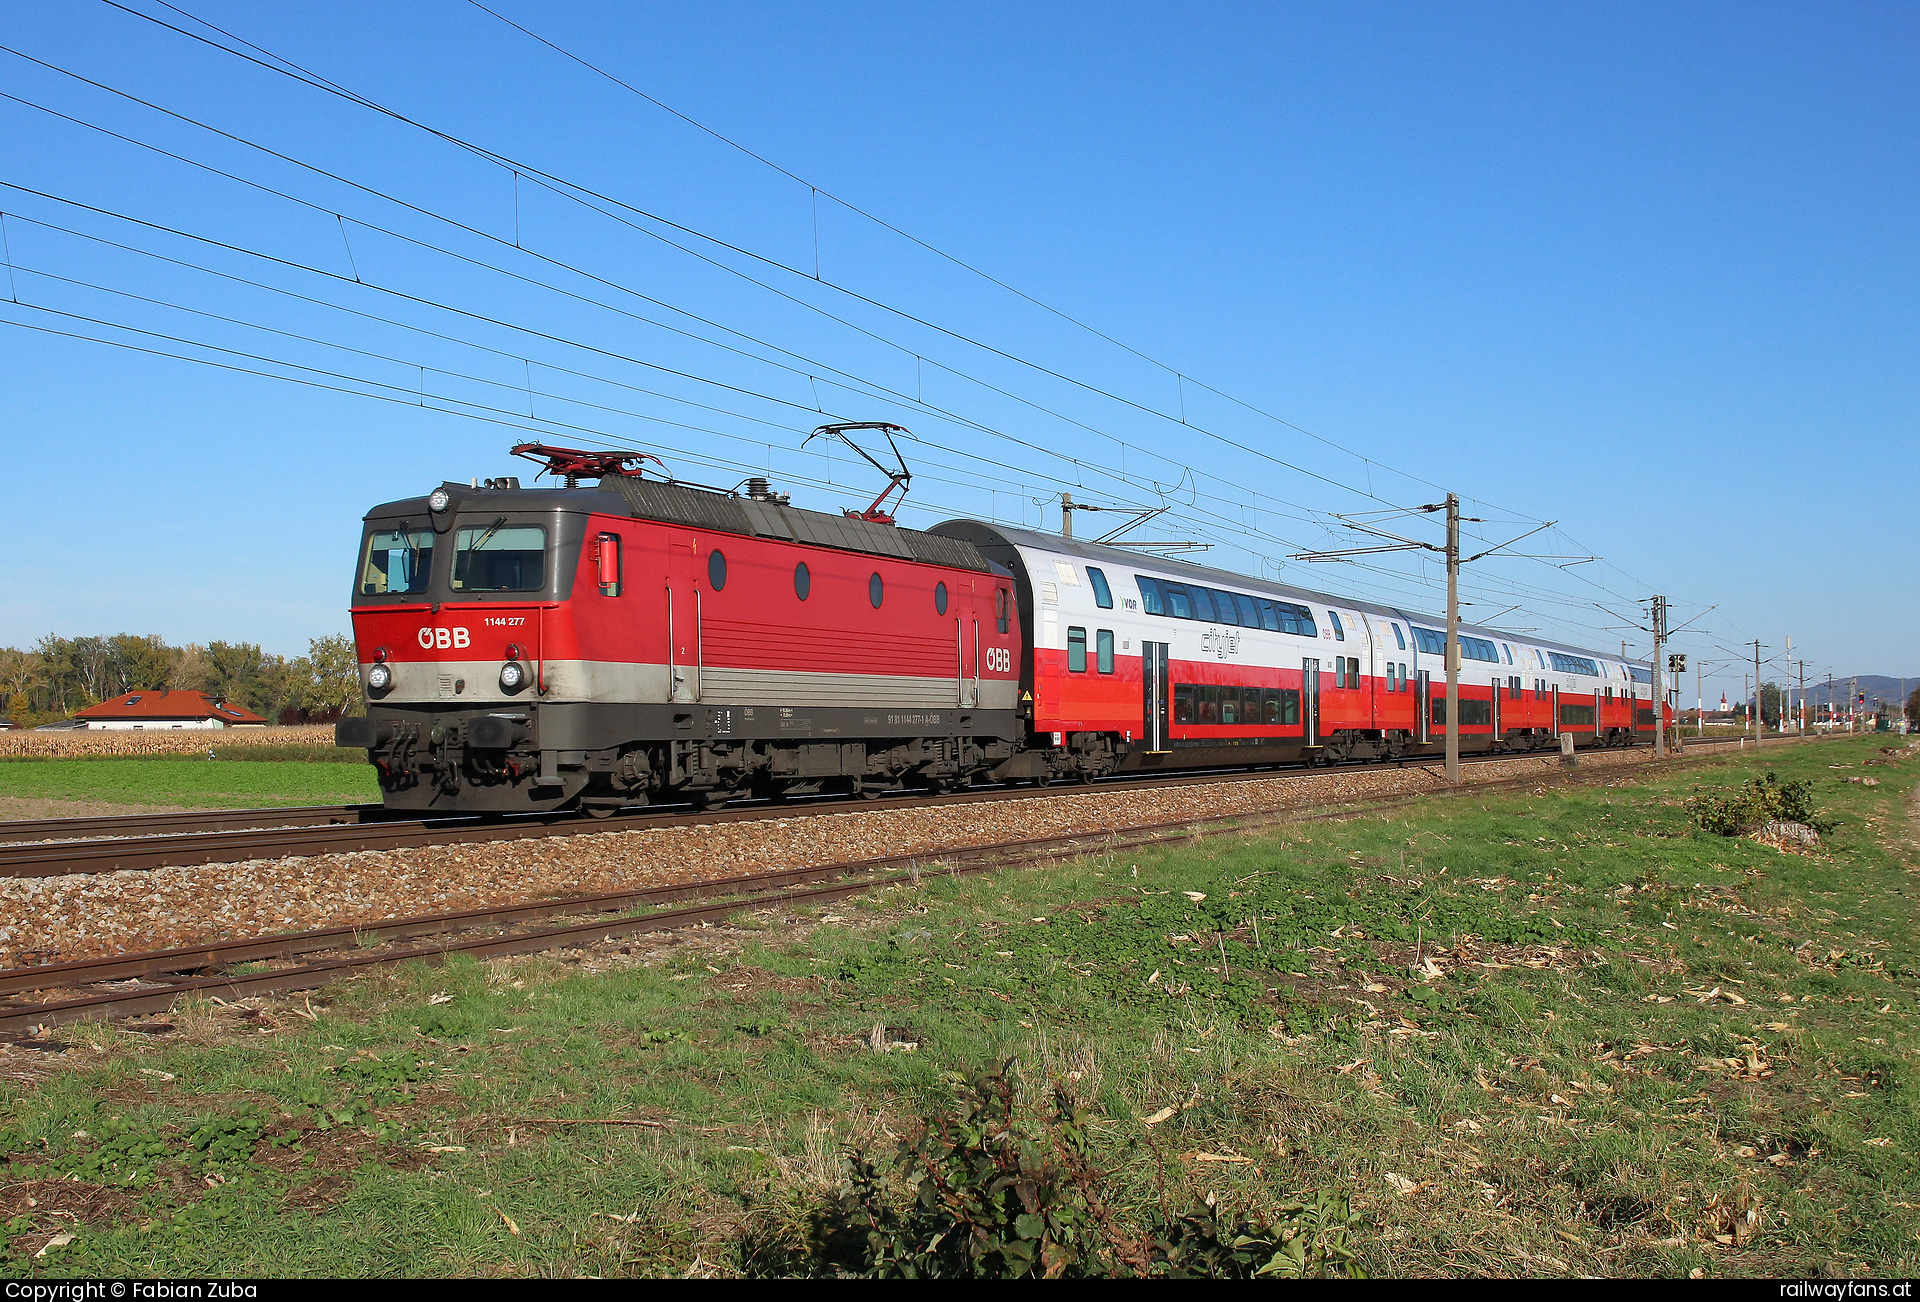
column 1762, row 800
column 992, row 1198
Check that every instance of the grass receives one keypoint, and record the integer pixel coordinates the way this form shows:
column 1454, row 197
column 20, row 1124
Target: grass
column 1649, row 1052
column 192, row 783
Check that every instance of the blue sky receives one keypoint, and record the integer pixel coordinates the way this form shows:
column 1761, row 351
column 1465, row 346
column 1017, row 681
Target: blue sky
column 1648, row 271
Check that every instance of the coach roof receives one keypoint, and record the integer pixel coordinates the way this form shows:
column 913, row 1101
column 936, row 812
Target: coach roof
column 1186, row 571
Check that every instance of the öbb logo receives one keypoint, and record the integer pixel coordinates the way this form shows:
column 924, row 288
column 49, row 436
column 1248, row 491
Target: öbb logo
column 999, row 660
column 444, row 638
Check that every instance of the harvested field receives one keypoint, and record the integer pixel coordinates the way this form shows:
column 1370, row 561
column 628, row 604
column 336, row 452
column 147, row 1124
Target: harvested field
column 56, row 919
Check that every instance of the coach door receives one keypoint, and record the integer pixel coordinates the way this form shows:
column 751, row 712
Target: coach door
column 1310, row 699
column 683, row 602
column 1155, row 693
column 1493, row 711
column 1423, row 707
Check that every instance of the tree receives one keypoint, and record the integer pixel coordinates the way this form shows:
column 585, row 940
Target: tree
column 142, row 663
column 1913, row 709
column 233, row 673
column 333, row 667
column 20, row 672
column 1770, row 705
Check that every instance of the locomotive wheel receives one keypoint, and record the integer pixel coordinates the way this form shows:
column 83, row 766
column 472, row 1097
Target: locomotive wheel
column 705, row 800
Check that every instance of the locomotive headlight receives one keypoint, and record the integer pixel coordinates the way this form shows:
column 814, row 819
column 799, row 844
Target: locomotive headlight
column 513, row 676
column 439, row 500
column 380, row 677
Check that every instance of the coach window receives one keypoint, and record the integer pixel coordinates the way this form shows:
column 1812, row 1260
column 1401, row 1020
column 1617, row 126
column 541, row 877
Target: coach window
column 1076, row 650
column 1229, row 704
column 940, row 598
column 1202, row 600
column 606, row 563
column 1390, row 677
column 1399, row 637
column 716, row 569
column 876, row 590
column 1209, row 703
column 802, row 580
column 1249, row 613
column 1150, row 595
column 1177, row 604
column 1183, row 702
column 1508, row 650
column 1339, row 629
column 1269, row 617
column 1103, row 650
column 1102, row 594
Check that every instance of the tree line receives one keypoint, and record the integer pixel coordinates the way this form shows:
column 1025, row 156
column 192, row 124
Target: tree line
column 57, row 676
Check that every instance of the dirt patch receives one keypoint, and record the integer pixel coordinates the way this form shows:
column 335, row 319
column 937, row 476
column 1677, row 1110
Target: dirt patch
column 22, row 807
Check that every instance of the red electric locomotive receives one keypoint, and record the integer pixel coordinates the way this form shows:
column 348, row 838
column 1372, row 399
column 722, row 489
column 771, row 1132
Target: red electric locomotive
column 525, row 649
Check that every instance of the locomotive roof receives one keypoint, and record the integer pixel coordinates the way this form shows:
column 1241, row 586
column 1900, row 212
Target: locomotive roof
column 707, row 508
column 1178, row 569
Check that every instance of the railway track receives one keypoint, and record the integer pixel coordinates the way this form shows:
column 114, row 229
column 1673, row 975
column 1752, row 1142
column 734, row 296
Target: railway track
column 144, row 842
column 132, row 984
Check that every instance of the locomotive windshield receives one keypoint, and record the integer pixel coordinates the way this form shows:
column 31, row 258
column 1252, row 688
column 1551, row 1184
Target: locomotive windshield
column 499, row 558
column 398, row 559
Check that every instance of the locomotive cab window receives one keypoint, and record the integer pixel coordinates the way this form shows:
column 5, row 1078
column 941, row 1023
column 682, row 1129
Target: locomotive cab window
column 1076, row 650
column 397, row 560
column 500, row 558
column 1102, row 594
column 1001, row 604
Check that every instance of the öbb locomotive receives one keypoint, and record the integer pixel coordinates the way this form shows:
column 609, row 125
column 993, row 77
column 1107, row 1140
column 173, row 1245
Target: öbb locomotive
column 636, row 639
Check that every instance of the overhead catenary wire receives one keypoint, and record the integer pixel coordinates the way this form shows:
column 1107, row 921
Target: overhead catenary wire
column 1212, row 521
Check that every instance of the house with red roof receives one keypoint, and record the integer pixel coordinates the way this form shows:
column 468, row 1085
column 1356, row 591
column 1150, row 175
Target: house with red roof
column 162, row 710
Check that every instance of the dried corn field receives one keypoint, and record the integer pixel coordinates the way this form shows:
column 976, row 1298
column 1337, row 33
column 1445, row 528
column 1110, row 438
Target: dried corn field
column 88, row 744
column 55, row 919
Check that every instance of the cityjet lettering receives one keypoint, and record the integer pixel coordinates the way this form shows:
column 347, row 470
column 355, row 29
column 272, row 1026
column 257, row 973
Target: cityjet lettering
column 444, row 639
column 1219, row 643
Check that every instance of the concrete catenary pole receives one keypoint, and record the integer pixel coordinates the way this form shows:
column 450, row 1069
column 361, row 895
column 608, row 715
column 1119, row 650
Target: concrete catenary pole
column 1659, row 692
column 1758, row 728
column 1453, row 638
